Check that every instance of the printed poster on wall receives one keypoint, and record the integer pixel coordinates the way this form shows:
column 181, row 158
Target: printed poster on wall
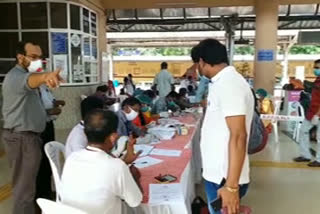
column 59, row 43
column 61, row 62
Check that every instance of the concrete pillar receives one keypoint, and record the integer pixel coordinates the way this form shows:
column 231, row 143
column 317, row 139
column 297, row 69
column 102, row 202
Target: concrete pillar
column 266, row 44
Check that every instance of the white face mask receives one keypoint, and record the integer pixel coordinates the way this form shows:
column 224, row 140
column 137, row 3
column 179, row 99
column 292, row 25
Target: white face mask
column 35, row 66
column 132, row 115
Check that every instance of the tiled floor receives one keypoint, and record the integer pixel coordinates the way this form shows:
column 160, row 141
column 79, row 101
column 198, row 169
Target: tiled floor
column 275, row 188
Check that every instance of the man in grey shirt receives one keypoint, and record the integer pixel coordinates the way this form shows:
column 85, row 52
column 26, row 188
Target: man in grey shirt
column 24, row 120
column 164, row 81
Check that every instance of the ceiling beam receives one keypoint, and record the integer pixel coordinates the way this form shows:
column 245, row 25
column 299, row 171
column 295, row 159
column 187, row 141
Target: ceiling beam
column 140, row 4
column 205, row 20
column 129, row 4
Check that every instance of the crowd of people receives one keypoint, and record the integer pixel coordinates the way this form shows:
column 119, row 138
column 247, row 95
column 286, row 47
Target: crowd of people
column 98, row 173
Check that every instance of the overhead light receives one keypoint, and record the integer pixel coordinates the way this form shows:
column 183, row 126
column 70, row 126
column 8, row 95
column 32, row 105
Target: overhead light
column 242, row 41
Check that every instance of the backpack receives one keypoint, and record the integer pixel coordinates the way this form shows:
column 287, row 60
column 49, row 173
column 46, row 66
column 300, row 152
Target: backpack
column 199, row 206
column 305, row 101
column 258, row 135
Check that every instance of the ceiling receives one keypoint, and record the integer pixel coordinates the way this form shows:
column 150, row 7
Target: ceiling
column 208, row 19
column 127, row 4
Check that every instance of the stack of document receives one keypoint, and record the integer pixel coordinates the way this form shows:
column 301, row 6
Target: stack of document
column 145, row 149
column 166, row 152
column 169, row 122
column 146, row 162
column 165, row 193
column 162, row 133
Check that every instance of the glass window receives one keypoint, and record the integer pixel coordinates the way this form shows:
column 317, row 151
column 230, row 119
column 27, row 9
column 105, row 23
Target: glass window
column 76, row 59
column 58, row 15
column 86, row 46
column 8, row 44
column 40, row 38
column 8, row 10
column 34, row 15
column 197, row 12
column 75, row 17
column 93, row 24
column 6, row 66
column 59, row 47
column 94, row 48
column 85, row 17
column 303, row 9
column 149, row 13
column 173, row 13
column 125, row 14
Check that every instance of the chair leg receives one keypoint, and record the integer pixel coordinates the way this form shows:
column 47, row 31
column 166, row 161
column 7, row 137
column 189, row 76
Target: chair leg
column 275, row 129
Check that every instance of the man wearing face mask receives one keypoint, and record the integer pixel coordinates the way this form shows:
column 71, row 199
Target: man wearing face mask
column 312, row 119
column 24, row 120
column 128, row 112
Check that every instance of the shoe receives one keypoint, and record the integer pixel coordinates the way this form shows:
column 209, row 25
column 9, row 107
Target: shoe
column 314, row 164
column 301, row 159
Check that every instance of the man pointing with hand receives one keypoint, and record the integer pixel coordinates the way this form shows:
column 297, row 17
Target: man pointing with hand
column 24, row 119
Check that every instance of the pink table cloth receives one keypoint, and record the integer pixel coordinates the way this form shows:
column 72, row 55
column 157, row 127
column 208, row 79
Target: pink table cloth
column 171, row 165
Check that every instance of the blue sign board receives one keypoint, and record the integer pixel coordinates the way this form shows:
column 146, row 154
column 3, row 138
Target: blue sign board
column 59, row 43
column 265, row 55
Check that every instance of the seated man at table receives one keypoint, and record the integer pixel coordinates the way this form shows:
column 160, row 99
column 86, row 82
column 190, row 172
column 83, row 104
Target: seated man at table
column 129, row 111
column 92, row 179
column 164, row 104
column 183, row 102
column 77, row 140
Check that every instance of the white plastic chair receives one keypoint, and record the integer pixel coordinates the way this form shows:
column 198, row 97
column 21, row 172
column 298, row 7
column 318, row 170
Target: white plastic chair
column 296, row 132
column 55, row 152
column 83, row 97
column 115, row 107
column 51, row 207
column 277, row 105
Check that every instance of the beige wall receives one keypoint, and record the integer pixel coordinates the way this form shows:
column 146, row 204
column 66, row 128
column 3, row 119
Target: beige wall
column 71, row 114
column 146, row 71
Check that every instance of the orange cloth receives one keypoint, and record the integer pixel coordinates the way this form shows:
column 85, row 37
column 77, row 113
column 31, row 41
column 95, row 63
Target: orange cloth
column 147, row 118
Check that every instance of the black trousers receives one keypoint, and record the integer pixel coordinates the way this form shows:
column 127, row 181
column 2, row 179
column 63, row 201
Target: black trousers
column 43, row 188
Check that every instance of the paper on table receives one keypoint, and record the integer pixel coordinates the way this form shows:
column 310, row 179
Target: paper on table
column 165, row 193
column 166, row 152
column 146, row 162
column 144, row 148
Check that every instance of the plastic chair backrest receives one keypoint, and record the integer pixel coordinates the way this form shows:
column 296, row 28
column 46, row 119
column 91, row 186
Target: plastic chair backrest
column 300, row 110
column 51, row 207
column 55, row 152
column 277, row 105
column 83, row 97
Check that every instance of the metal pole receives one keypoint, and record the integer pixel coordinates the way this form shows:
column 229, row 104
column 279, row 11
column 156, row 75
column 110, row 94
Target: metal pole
column 231, row 46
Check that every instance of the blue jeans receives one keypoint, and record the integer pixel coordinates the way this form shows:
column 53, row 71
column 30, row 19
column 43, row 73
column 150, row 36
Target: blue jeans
column 212, row 193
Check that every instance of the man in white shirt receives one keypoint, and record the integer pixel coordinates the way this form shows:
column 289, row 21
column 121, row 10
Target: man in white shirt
column 92, row 179
column 164, row 81
column 225, row 130
column 77, row 139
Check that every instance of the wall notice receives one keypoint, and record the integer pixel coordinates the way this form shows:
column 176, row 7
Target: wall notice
column 265, row 55
column 61, row 62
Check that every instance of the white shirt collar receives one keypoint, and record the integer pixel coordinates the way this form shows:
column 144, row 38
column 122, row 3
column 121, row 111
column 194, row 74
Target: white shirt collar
column 91, row 148
column 219, row 75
